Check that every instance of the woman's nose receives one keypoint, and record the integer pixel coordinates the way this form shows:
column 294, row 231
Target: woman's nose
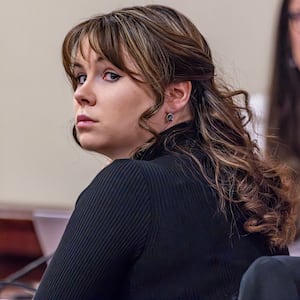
column 85, row 95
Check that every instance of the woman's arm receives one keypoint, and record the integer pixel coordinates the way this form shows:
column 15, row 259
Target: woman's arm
column 104, row 236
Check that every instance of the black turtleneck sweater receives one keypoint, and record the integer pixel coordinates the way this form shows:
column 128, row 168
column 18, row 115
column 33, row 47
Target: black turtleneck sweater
column 149, row 229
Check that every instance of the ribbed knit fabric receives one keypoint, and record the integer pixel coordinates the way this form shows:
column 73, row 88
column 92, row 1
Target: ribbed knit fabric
column 148, row 230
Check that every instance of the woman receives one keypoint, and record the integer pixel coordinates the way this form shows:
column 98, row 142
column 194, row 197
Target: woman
column 185, row 205
column 284, row 98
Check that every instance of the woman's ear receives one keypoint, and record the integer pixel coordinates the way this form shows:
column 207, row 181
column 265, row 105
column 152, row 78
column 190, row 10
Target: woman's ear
column 177, row 96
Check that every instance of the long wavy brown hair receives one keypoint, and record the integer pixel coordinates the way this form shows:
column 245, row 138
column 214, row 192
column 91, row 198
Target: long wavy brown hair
column 167, row 47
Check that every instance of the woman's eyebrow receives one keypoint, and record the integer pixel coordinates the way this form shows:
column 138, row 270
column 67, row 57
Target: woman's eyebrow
column 97, row 60
column 76, row 65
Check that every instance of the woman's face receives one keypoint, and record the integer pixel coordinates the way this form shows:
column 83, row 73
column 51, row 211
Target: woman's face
column 294, row 29
column 108, row 104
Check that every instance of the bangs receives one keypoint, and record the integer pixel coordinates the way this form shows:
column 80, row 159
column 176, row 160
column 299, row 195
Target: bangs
column 104, row 37
column 126, row 40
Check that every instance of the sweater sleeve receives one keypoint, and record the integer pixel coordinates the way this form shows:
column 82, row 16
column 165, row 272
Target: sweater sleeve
column 105, row 235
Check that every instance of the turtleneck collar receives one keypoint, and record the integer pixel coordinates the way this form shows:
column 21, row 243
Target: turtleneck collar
column 183, row 134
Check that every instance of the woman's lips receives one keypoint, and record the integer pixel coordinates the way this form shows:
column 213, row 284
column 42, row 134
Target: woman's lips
column 83, row 121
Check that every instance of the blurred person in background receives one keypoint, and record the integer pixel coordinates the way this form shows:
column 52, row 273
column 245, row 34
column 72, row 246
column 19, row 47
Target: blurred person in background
column 276, row 122
column 283, row 123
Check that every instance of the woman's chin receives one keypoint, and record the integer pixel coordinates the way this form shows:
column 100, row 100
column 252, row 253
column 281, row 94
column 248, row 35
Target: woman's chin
column 89, row 145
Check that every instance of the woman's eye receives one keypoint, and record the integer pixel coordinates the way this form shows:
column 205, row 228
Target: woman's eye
column 111, row 76
column 81, row 78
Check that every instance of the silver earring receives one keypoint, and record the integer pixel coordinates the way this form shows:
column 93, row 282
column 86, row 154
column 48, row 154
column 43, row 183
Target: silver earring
column 169, row 117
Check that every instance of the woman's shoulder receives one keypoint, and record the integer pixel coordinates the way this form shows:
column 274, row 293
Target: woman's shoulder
column 128, row 168
column 120, row 173
column 117, row 187
column 132, row 168
column 138, row 177
column 127, row 178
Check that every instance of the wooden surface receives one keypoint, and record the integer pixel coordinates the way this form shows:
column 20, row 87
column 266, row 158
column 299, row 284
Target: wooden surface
column 18, row 238
column 19, row 246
